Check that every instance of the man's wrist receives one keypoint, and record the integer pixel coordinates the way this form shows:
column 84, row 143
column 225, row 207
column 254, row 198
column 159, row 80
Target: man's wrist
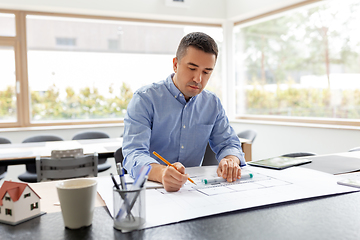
column 157, row 172
column 234, row 158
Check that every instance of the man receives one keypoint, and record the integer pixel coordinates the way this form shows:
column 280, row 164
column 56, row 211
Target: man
column 177, row 118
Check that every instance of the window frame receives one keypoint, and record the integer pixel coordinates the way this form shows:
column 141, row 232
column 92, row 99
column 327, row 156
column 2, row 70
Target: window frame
column 23, row 101
column 20, row 48
column 293, row 120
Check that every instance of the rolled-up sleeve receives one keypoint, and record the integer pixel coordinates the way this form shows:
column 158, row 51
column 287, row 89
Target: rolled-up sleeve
column 137, row 137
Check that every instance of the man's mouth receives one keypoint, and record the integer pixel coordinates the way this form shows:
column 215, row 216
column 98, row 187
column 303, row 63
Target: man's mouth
column 194, row 87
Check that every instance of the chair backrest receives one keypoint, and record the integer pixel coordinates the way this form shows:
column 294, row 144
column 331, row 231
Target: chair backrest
column 209, row 157
column 249, row 134
column 43, row 138
column 4, row 140
column 66, row 167
column 354, row 149
column 298, row 154
column 119, row 157
column 90, row 135
column 3, row 169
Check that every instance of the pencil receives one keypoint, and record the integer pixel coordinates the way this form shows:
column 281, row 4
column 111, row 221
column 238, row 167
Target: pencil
column 169, row 164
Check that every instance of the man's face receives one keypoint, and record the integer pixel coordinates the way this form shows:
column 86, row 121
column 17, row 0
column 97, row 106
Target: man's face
column 193, row 71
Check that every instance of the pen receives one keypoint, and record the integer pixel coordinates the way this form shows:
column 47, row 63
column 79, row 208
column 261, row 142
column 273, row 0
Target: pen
column 114, row 181
column 169, row 164
column 220, row 179
column 121, row 174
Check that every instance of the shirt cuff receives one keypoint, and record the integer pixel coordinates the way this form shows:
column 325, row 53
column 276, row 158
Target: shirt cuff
column 134, row 167
column 236, row 153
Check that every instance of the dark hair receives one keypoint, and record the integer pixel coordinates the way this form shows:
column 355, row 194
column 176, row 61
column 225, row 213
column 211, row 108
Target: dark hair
column 198, row 40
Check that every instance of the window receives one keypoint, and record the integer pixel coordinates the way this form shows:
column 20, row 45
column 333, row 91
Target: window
column 8, row 212
column 91, row 72
column 7, row 25
column 34, row 206
column 27, row 195
column 8, row 101
column 303, row 64
column 7, row 199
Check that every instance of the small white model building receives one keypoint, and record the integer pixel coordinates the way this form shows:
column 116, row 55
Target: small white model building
column 18, row 203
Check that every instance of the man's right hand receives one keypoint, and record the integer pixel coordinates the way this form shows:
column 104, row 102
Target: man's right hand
column 172, row 179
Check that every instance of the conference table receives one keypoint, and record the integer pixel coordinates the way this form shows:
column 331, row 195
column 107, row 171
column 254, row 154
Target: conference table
column 331, row 217
column 22, row 153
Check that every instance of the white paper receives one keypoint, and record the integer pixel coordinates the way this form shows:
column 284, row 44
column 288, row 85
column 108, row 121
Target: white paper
column 271, row 186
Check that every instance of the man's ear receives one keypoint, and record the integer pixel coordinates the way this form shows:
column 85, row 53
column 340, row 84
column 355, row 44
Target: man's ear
column 175, row 64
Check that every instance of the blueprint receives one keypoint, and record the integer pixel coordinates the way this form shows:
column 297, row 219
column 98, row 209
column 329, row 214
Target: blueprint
column 267, row 187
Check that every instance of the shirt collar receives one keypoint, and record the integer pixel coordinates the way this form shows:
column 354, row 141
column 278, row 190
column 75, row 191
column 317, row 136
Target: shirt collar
column 175, row 91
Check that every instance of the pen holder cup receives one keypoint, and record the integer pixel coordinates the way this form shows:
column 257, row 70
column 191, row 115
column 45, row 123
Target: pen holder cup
column 129, row 208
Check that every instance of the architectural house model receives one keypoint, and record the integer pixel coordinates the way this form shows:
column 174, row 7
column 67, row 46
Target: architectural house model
column 18, row 203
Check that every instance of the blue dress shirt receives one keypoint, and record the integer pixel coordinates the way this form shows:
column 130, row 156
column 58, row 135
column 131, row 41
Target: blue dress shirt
column 159, row 119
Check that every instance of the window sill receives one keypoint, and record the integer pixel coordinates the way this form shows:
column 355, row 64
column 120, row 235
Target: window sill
column 296, row 124
column 59, row 127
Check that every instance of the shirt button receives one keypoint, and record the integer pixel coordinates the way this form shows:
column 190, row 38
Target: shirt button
column 184, row 126
column 175, row 96
column 182, row 146
column 180, row 94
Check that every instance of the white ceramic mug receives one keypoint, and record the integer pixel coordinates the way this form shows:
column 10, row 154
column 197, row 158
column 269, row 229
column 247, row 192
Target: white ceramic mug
column 77, row 201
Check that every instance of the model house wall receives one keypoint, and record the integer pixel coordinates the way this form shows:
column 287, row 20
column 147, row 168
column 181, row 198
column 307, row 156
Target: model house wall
column 18, row 202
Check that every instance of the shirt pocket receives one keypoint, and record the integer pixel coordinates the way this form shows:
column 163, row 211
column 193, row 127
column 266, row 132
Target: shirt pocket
column 199, row 135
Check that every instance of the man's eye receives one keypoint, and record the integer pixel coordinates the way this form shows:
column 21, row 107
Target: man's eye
column 206, row 72
column 192, row 69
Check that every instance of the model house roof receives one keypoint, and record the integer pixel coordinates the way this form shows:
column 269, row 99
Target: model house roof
column 15, row 189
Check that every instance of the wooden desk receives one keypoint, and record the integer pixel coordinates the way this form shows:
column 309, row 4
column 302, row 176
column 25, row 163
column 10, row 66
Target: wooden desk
column 22, row 153
column 49, row 198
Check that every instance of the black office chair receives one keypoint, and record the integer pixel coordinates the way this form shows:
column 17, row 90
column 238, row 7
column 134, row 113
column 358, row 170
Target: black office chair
column 249, row 134
column 298, row 154
column 103, row 165
column 3, row 169
column 30, row 174
column 119, row 157
column 209, row 157
column 354, row 149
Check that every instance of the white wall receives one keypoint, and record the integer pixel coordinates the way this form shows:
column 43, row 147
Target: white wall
column 66, row 132
column 274, row 139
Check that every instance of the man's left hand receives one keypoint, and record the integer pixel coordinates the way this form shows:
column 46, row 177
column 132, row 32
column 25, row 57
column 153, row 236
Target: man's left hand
column 229, row 168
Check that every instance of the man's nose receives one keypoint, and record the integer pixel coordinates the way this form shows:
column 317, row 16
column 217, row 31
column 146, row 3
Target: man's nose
column 198, row 78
